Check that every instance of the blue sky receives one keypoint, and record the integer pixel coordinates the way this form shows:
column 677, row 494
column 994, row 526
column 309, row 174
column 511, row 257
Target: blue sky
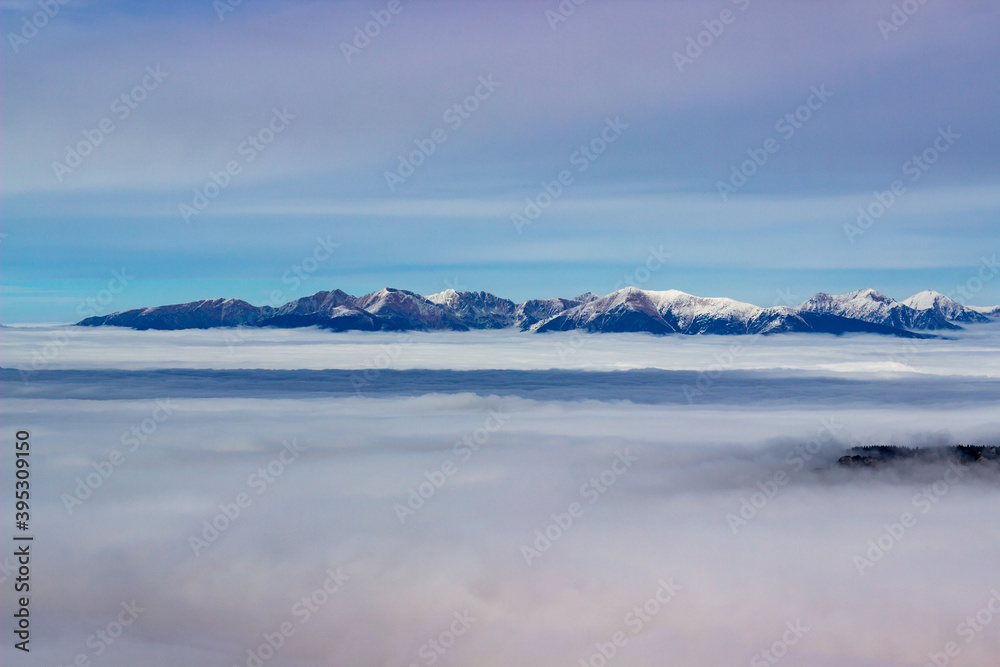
column 328, row 128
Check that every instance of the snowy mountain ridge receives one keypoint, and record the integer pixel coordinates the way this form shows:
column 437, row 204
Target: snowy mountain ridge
column 626, row 310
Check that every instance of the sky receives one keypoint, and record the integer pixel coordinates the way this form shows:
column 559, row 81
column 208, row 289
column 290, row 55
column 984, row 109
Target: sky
column 583, row 142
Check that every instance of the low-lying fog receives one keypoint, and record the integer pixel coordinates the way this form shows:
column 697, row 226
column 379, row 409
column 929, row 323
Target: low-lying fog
column 972, row 351
column 495, row 530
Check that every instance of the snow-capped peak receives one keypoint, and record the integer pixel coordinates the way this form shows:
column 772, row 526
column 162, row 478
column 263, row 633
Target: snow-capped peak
column 866, row 294
column 929, row 299
column 442, row 298
column 855, row 304
column 986, row 310
column 630, row 309
column 953, row 311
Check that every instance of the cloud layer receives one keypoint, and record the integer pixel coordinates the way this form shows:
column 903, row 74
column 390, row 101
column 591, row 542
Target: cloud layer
column 504, row 530
column 665, row 517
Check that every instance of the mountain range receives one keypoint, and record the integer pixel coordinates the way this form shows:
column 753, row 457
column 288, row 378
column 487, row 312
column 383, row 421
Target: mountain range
column 626, row 310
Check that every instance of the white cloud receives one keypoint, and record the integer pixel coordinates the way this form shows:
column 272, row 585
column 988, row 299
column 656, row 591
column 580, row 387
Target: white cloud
column 664, row 518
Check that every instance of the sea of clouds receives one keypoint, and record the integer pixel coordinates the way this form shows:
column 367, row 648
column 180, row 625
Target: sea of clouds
column 468, row 521
column 971, row 351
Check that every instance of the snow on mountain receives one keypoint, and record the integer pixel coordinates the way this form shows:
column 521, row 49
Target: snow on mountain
column 531, row 312
column 950, row 309
column 318, row 303
column 626, row 310
column 477, row 310
column 670, row 311
column 870, row 306
column 482, row 310
column 449, row 297
column 400, row 309
column 693, row 314
column 927, row 299
column 862, row 304
column 336, row 318
column 205, row 314
column 991, row 312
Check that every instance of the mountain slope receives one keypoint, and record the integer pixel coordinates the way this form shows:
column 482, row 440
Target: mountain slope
column 870, row 306
column 626, row 310
column 204, row 314
column 399, row 309
column 950, row 309
column 477, row 310
column 673, row 311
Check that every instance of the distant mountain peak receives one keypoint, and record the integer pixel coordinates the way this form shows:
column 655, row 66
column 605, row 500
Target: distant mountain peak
column 629, row 309
column 446, row 296
column 953, row 311
column 928, row 299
